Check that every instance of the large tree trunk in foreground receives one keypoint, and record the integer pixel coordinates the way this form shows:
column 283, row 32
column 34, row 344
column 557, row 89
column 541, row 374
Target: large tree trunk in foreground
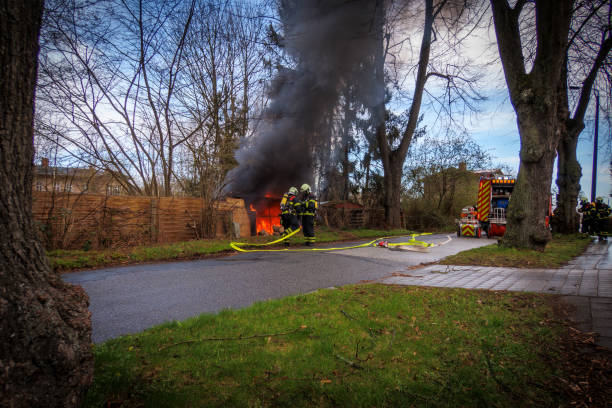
column 45, row 331
column 535, row 98
column 568, row 182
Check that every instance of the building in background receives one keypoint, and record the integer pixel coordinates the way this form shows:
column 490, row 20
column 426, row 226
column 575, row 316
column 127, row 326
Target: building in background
column 75, row 180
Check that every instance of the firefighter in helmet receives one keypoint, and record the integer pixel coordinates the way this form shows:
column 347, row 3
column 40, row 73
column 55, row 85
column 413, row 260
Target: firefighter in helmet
column 602, row 216
column 587, row 216
column 307, row 210
column 288, row 208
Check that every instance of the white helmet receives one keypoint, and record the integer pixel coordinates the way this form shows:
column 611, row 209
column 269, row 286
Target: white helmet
column 293, row 190
column 305, row 187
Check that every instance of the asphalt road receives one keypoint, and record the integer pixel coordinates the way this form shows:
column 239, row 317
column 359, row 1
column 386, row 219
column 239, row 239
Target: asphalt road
column 130, row 299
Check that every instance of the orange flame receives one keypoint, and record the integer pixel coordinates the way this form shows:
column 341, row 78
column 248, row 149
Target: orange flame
column 267, row 213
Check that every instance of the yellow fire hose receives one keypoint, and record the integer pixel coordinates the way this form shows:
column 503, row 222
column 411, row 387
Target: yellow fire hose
column 378, row 242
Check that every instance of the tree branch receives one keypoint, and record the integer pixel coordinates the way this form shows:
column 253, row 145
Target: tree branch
column 587, row 85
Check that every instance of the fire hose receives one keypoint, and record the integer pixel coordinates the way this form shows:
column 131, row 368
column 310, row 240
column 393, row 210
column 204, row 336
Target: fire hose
column 381, row 242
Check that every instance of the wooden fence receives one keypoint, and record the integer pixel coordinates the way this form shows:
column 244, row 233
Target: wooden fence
column 101, row 221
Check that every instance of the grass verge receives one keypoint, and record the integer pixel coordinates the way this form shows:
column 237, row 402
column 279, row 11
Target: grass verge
column 558, row 252
column 355, row 346
column 68, row 260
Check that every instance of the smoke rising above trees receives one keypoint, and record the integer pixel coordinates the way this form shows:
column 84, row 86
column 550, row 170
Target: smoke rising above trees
column 331, row 44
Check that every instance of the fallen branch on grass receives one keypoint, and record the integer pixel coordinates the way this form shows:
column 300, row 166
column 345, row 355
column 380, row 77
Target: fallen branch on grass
column 231, row 338
column 349, row 362
column 348, row 316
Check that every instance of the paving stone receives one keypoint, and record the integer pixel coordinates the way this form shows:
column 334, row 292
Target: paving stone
column 494, row 281
column 605, row 276
column 601, row 322
column 474, row 278
column 575, row 276
column 587, row 291
column 590, row 274
column 538, row 285
column 569, row 290
column 505, row 284
column 604, row 292
column 601, row 307
column 520, row 285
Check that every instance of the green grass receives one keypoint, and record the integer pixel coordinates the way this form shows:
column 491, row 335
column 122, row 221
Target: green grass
column 559, row 251
column 355, row 346
column 67, row 260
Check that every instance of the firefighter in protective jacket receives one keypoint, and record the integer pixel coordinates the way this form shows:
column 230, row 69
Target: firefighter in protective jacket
column 307, row 209
column 602, row 215
column 288, row 207
column 587, row 211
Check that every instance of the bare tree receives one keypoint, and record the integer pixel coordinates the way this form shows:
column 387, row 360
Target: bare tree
column 45, row 330
column 535, row 98
column 111, row 70
column 443, row 25
column 224, row 65
column 144, row 89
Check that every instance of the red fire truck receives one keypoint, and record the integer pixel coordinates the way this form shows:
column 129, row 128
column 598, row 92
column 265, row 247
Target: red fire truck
column 489, row 215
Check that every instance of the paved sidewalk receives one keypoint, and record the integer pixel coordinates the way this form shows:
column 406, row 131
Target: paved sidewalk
column 585, row 282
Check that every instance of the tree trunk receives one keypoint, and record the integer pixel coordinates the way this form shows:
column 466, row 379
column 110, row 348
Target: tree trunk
column 568, row 168
column 393, row 188
column 535, row 98
column 531, row 196
column 568, row 182
column 45, row 330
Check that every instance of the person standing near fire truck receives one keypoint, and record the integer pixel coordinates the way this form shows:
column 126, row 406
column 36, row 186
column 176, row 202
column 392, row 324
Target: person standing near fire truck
column 602, row 216
column 587, row 211
column 307, row 209
column 289, row 207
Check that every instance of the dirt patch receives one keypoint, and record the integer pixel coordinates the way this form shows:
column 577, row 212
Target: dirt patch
column 587, row 368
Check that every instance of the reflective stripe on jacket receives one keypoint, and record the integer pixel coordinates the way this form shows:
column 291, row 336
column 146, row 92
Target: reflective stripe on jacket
column 309, row 205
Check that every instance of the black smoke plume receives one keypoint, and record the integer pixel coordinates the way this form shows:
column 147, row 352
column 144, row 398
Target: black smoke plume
column 333, row 45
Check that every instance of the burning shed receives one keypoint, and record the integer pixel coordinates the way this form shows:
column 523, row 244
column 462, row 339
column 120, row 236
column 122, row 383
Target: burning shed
column 264, row 213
